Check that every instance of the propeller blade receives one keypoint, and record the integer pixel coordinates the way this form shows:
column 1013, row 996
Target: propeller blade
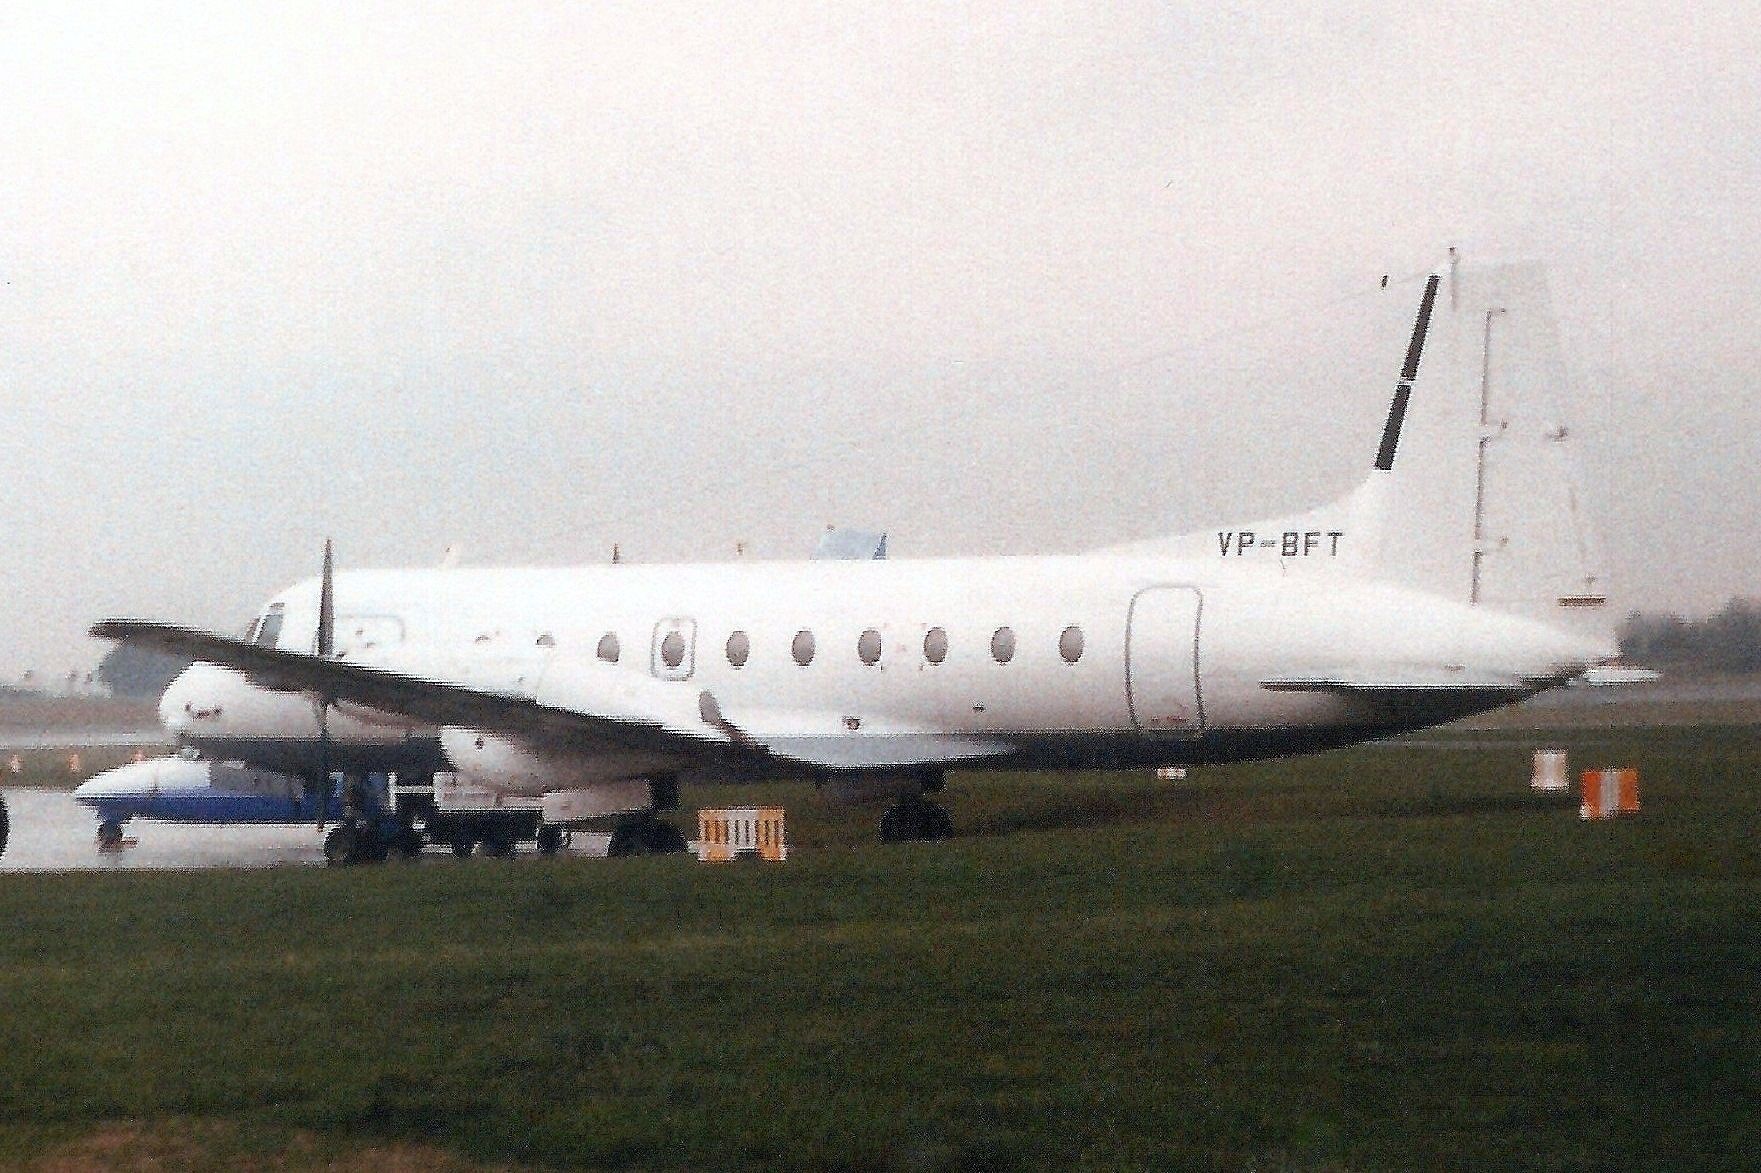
column 327, row 605
column 326, row 647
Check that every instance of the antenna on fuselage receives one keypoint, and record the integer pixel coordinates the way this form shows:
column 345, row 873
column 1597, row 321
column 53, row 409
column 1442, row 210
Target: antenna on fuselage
column 1408, row 372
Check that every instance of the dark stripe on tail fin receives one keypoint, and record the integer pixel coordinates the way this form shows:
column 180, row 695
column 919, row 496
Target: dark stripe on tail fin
column 1409, row 372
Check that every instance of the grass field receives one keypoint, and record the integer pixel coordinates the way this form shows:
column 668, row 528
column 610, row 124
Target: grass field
column 1381, row 958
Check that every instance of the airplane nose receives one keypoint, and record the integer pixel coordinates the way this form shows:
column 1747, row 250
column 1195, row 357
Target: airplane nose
column 177, row 703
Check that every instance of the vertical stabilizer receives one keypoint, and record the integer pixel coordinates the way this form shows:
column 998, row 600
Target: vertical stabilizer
column 1483, row 502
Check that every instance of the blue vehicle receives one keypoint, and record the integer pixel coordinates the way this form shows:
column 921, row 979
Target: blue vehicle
column 185, row 789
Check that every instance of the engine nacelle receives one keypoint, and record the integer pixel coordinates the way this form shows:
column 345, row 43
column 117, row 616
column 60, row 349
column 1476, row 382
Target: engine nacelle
column 505, row 765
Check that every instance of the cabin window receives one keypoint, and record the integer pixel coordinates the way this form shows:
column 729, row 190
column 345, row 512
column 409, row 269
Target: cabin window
column 269, row 632
column 935, row 645
column 1003, row 645
column 1070, row 644
column 672, row 649
column 868, row 647
column 608, row 647
column 739, row 649
column 802, row 648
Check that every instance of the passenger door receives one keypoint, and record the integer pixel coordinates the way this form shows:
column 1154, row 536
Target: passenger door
column 1161, row 661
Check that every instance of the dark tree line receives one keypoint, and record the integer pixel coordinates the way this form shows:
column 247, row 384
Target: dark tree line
column 1728, row 641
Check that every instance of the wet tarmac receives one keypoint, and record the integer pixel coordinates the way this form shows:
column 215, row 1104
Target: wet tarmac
column 53, row 833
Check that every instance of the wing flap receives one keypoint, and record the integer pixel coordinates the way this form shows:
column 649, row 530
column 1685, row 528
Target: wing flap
column 836, row 741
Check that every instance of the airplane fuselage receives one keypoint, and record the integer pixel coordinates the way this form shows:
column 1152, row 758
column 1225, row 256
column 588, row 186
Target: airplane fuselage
column 1083, row 660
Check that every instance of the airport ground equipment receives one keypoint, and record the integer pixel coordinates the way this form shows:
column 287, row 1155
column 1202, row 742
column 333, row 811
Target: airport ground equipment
column 730, row 832
column 466, row 818
column 464, row 814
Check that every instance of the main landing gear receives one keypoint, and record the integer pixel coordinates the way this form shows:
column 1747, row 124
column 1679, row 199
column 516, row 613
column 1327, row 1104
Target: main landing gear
column 914, row 817
column 372, row 825
column 365, row 842
column 645, row 836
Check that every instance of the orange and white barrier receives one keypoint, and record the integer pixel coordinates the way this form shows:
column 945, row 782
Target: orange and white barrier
column 1607, row 793
column 725, row 833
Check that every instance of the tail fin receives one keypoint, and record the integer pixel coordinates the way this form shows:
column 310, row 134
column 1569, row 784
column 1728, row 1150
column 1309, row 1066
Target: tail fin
column 1482, row 503
column 1472, row 494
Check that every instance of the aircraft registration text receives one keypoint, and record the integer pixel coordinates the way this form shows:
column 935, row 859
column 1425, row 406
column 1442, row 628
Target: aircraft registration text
column 1289, row 544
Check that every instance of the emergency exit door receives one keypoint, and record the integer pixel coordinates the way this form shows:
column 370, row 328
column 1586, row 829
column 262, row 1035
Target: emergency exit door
column 1161, row 661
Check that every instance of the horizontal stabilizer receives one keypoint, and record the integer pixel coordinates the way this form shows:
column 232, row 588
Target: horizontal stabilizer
column 1614, row 675
column 1409, row 680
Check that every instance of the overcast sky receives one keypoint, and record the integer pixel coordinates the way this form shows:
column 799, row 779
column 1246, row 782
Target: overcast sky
column 536, row 279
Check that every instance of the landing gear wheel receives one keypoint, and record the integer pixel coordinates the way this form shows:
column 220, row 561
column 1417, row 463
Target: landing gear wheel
column 663, row 838
column 646, row 837
column 627, row 839
column 109, row 834
column 463, row 844
column 371, row 846
column 913, row 819
column 550, row 838
column 408, row 842
column 340, row 846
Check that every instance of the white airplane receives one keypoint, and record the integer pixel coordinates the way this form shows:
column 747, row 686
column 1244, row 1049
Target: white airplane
column 1459, row 576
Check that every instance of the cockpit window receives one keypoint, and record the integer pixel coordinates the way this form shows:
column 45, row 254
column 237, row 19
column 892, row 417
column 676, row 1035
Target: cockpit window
column 269, row 631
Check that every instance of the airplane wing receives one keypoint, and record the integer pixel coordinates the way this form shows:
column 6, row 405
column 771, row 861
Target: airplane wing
column 610, row 707
column 421, row 697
